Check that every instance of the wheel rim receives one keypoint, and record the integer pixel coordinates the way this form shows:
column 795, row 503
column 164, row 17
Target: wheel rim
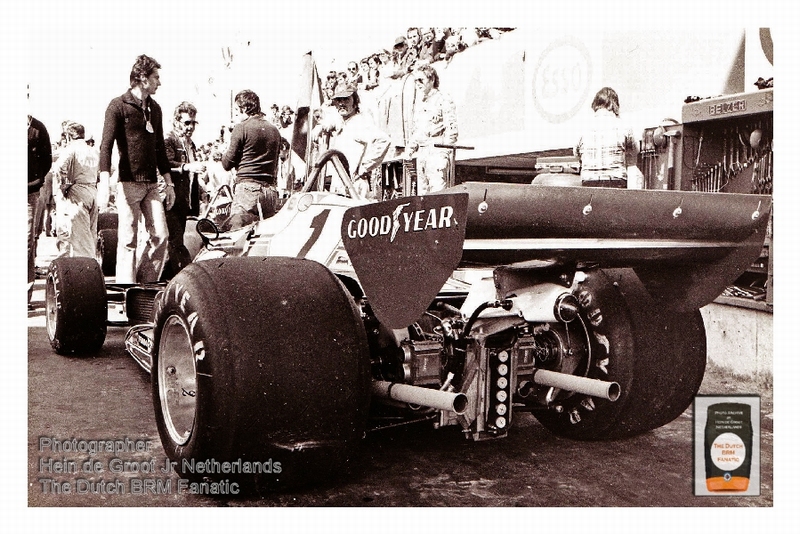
column 573, row 355
column 577, row 356
column 177, row 380
column 51, row 308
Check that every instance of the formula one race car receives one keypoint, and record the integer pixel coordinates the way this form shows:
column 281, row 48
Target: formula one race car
column 284, row 341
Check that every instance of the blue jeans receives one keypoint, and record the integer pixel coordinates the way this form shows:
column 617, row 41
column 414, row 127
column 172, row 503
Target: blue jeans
column 252, row 201
column 136, row 201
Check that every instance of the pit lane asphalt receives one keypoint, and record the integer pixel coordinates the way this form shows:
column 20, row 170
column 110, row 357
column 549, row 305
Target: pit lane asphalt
column 107, row 397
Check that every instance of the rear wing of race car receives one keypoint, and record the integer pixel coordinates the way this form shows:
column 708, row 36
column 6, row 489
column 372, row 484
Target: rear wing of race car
column 685, row 246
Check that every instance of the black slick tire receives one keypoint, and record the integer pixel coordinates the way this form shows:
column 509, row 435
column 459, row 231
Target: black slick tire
column 260, row 361
column 658, row 358
column 76, row 308
column 107, row 250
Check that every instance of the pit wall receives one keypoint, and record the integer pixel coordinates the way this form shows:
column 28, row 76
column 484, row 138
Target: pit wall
column 740, row 340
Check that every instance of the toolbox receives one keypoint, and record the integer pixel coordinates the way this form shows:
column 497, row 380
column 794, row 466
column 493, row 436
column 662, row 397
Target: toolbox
column 722, row 144
column 727, row 147
column 727, row 143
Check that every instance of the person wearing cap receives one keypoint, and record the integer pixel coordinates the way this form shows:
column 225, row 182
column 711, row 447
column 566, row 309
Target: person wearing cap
column 253, row 151
column 363, row 144
column 185, row 168
column 134, row 122
column 286, row 117
column 434, row 124
column 75, row 194
column 402, row 58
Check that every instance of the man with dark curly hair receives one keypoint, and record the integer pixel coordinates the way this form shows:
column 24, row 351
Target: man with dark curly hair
column 253, row 152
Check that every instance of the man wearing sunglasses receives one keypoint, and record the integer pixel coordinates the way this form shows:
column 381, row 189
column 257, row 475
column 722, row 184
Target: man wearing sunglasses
column 185, row 167
column 434, row 124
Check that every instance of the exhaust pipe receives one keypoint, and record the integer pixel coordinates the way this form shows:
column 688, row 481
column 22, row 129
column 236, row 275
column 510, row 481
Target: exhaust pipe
column 578, row 384
column 545, row 303
column 430, row 398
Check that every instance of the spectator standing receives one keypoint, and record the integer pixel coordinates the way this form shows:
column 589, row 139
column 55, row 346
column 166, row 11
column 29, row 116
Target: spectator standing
column 325, row 123
column 341, row 81
column 441, row 34
column 40, row 158
column 286, row 117
column 607, row 148
column 354, row 77
column 185, row 168
column 134, row 121
column 452, row 46
column 329, row 88
column 285, row 174
column 363, row 144
column 485, row 34
column 414, row 40
column 75, row 194
column 434, row 123
column 387, row 65
column 430, row 49
column 373, row 73
column 253, row 152
column 402, row 58
column 215, row 176
column 275, row 115
column 468, row 37
column 363, row 73
column 286, row 121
